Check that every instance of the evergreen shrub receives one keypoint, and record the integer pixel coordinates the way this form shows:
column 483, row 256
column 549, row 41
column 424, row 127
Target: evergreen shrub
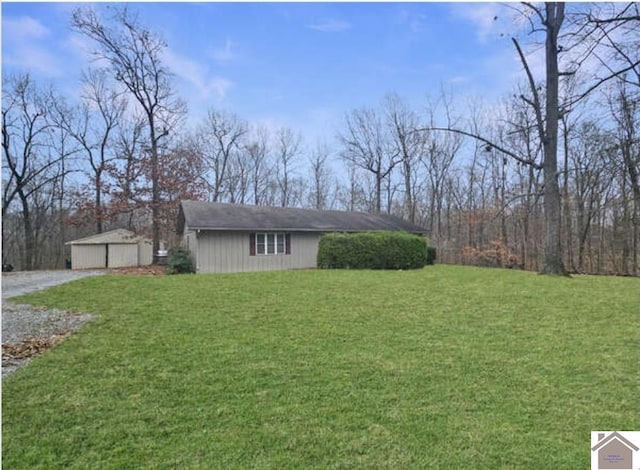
column 179, row 261
column 431, row 255
column 372, row 250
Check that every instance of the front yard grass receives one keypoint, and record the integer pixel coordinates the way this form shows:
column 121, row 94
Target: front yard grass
column 444, row 367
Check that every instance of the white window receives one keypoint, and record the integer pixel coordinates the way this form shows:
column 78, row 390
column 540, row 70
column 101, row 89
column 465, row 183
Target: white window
column 270, row 244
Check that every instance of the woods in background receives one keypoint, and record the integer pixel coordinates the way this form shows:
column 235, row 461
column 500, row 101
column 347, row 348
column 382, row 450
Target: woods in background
column 475, row 176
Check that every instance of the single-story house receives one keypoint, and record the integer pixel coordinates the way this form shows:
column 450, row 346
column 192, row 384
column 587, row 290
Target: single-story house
column 226, row 238
column 114, row 249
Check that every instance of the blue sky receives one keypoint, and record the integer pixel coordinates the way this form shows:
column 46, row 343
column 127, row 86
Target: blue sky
column 300, row 65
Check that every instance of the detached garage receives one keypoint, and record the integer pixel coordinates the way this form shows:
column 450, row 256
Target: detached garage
column 114, row 249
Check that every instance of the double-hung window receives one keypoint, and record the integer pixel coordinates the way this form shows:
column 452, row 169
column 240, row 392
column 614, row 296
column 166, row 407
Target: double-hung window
column 270, row 243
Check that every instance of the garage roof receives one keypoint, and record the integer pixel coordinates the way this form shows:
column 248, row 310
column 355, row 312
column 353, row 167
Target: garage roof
column 120, row 236
column 217, row 216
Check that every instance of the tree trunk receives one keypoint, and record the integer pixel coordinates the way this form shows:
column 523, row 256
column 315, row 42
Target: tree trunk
column 409, row 207
column 155, row 193
column 552, row 204
column 29, row 241
column 98, row 195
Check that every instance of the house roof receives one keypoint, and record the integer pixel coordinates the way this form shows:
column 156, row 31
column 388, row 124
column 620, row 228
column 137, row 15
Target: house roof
column 227, row 217
column 120, row 235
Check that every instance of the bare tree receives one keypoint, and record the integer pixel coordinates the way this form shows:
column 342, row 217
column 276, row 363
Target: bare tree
column 440, row 150
column 551, row 18
column 256, row 151
column 93, row 128
column 367, row 145
column 128, row 193
column 31, row 164
column 606, row 33
column 410, row 146
column 220, row 140
column 134, row 57
column 624, row 106
column 287, row 148
column 320, row 177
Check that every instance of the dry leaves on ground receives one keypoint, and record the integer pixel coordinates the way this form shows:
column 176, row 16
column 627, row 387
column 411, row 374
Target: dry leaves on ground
column 153, row 270
column 28, row 348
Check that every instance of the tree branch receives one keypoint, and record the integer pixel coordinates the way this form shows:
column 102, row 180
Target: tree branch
column 511, row 154
column 537, row 107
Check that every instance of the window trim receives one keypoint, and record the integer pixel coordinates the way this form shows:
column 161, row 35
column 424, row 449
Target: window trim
column 269, row 240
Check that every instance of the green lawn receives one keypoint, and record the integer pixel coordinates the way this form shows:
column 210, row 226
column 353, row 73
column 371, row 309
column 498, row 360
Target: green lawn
column 446, row 367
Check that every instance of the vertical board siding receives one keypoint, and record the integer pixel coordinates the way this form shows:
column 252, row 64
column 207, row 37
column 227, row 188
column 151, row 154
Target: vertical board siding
column 190, row 242
column 88, row 256
column 226, row 252
column 123, row 255
column 145, row 253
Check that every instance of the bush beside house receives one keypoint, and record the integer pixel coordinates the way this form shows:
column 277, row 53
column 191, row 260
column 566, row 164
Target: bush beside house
column 372, row 250
column 431, row 255
column 179, row 261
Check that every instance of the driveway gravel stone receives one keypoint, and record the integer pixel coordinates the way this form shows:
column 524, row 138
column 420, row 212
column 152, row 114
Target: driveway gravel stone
column 24, row 326
column 24, row 282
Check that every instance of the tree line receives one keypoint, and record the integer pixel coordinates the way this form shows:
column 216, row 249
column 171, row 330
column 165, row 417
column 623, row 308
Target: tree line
column 546, row 180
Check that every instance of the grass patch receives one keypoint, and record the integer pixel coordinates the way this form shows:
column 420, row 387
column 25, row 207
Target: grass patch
column 444, row 367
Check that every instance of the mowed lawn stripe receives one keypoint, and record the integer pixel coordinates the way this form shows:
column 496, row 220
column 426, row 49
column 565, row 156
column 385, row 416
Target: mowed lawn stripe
column 445, row 367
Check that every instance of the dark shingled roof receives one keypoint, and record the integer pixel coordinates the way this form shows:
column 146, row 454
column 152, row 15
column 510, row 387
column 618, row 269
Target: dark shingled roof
column 217, row 216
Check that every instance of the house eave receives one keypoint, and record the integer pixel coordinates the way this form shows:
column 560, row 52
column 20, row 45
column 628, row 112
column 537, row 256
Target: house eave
column 289, row 229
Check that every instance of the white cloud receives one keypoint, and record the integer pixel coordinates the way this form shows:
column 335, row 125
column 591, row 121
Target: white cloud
column 27, row 46
column 203, row 85
column 331, row 25
column 23, row 27
column 35, row 59
column 483, row 16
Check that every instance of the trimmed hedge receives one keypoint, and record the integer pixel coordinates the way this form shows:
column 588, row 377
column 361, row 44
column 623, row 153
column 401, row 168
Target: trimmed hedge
column 372, row 250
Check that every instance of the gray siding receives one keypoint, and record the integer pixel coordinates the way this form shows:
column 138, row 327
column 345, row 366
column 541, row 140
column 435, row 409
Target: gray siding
column 190, row 242
column 225, row 252
column 88, row 256
column 120, row 255
column 145, row 253
column 124, row 249
column 123, row 255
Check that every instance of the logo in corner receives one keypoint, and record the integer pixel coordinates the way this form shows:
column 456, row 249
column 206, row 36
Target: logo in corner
column 615, row 450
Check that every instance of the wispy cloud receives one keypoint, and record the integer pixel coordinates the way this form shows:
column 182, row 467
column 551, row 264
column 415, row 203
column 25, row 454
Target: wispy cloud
column 220, row 86
column 23, row 27
column 204, row 85
column 483, row 16
column 331, row 25
column 459, row 79
column 416, row 23
column 29, row 46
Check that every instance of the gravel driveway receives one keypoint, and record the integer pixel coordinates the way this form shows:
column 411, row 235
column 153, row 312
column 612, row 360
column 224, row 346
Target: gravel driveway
column 27, row 330
column 24, row 282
